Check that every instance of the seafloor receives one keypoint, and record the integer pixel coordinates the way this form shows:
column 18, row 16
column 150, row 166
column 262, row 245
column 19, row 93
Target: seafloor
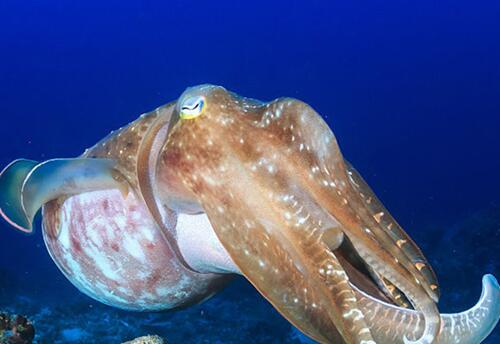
column 461, row 255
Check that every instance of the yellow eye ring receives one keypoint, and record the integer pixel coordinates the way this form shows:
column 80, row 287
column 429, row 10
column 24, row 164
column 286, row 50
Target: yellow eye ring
column 192, row 108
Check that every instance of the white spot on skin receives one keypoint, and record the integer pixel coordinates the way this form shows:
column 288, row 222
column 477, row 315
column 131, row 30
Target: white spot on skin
column 162, row 291
column 121, row 221
column 134, row 248
column 356, row 313
column 94, row 235
column 102, row 261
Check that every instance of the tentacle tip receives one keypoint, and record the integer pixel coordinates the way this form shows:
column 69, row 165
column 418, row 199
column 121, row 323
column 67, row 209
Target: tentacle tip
column 489, row 281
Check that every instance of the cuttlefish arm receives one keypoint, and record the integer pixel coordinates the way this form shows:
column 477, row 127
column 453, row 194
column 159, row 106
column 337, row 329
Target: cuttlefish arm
column 317, row 156
column 389, row 323
column 394, row 230
column 276, row 189
column 286, row 261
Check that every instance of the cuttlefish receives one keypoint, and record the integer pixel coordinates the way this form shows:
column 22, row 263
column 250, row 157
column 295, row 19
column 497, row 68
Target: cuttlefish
column 161, row 212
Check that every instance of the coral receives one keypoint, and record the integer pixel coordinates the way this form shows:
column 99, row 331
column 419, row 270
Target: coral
column 147, row 340
column 16, row 329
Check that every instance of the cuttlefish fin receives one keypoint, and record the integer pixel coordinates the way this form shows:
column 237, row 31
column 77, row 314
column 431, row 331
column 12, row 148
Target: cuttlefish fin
column 314, row 155
column 394, row 230
column 29, row 185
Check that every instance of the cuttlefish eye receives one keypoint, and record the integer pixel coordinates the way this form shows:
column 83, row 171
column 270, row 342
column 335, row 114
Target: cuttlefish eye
column 192, row 107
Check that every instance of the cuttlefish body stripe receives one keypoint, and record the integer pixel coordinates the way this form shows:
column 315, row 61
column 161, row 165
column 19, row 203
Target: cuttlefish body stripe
column 224, row 156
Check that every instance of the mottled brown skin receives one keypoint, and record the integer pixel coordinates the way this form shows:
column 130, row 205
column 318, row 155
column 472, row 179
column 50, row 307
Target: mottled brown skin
column 276, row 189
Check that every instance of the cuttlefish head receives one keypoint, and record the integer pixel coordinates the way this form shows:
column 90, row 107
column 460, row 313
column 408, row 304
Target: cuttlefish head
column 284, row 202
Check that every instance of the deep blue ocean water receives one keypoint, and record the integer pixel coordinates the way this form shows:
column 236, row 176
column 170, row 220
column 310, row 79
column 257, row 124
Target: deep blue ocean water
column 411, row 90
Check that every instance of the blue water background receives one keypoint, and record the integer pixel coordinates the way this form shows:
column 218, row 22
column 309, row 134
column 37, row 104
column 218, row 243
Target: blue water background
column 411, row 90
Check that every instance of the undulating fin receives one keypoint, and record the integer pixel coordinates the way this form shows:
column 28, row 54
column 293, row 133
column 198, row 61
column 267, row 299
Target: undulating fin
column 395, row 231
column 11, row 183
column 30, row 185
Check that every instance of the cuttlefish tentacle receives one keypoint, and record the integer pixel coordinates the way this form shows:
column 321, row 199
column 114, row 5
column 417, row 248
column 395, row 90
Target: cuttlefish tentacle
column 310, row 136
column 389, row 323
column 329, row 185
column 390, row 290
column 398, row 235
